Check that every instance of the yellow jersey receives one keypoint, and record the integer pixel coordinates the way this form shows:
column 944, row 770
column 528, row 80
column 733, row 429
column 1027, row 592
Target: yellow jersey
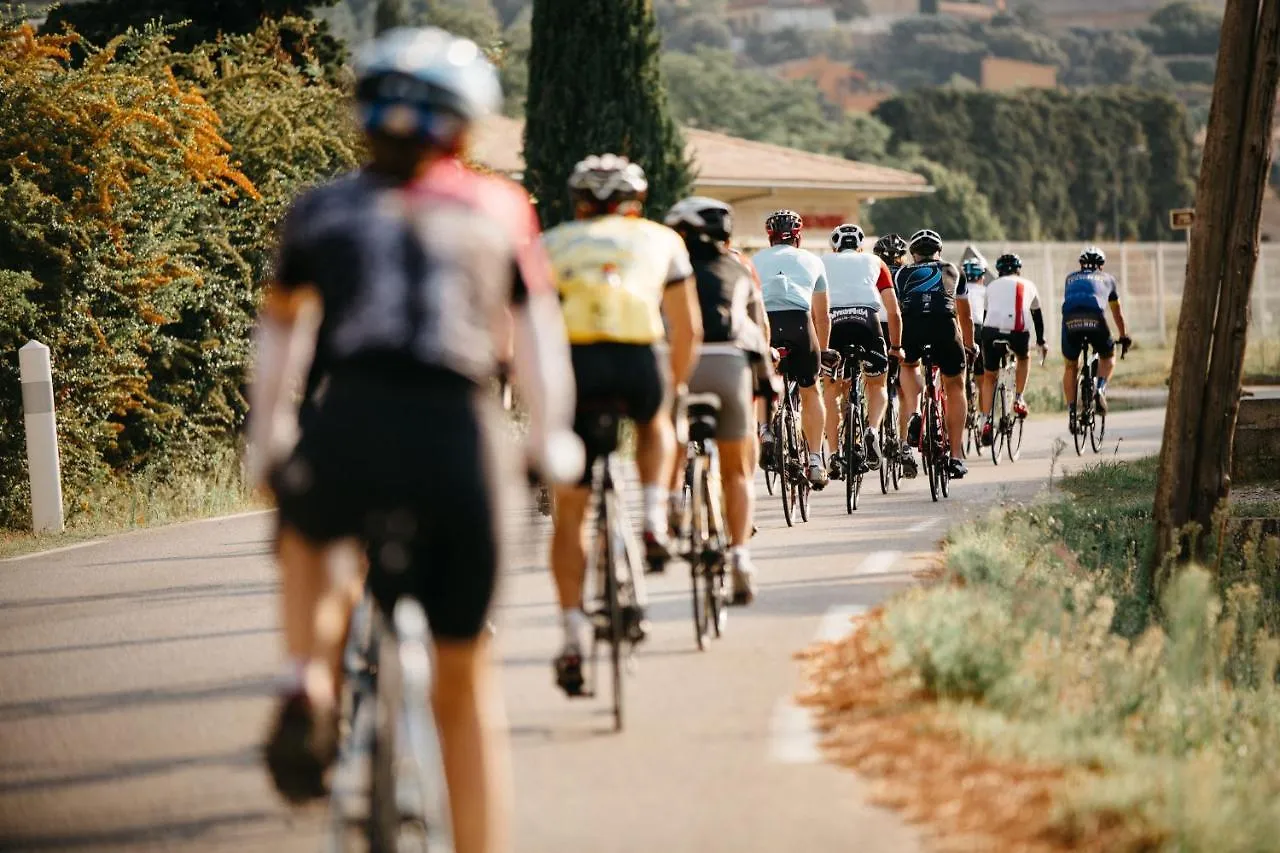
column 611, row 272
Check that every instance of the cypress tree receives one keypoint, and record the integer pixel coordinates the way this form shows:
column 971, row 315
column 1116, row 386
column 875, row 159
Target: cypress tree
column 595, row 87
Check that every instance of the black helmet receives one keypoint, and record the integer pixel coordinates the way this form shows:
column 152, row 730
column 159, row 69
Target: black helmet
column 784, row 225
column 1008, row 264
column 926, row 242
column 701, row 219
column 1092, row 258
column 608, row 179
column 847, row 237
column 890, row 248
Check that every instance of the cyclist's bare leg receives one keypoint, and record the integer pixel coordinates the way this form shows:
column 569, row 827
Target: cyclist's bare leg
column 569, row 545
column 1023, row 371
column 954, row 388
column 911, row 386
column 877, row 399
column 656, row 463
column 988, row 393
column 316, row 611
column 469, row 717
column 813, row 416
column 736, row 461
column 1106, row 366
column 1070, row 373
column 833, row 393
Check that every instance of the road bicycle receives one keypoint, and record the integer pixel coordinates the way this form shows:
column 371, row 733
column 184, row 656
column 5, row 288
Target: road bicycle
column 701, row 521
column 1090, row 420
column 388, row 792
column 890, row 443
column 973, row 411
column 790, row 450
column 935, row 445
column 1006, row 425
column 853, row 427
column 614, row 563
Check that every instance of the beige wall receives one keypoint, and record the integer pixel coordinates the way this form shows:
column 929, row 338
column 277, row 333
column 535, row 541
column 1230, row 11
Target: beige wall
column 1003, row 75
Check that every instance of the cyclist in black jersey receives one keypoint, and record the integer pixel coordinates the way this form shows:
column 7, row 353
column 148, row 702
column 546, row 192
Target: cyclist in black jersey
column 935, row 313
column 403, row 278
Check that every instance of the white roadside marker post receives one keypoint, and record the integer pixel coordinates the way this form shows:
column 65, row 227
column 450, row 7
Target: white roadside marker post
column 36, row 371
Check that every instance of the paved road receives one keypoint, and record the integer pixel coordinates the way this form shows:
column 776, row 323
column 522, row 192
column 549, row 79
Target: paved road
column 135, row 679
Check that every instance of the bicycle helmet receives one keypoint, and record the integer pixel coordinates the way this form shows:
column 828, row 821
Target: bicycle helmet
column 1008, row 264
column 926, row 242
column 702, row 219
column 974, row 269
column 847, row 238
column 784, row 226
column 1092, row 258
column 608, row 180
column 423, row 83
column 890, row 248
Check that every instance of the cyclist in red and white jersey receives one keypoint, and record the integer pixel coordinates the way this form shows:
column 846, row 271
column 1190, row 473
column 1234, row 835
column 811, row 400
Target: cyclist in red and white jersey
column 1012, row 310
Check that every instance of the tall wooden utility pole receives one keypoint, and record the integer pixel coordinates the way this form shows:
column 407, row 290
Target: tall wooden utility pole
column 1204, row 388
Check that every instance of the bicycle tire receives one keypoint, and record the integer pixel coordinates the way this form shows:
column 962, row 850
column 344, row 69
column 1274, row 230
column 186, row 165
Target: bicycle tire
column 1083, row 414
column 786, row 481
column 846, row 450
column 697, row 570
column 713, row 558
column 999, row 407
column 1098, row 430
column 943, row 445
column 803, row 489
column 616, row 627
column 1013, row 444
column 384, row 811
column 927, row 455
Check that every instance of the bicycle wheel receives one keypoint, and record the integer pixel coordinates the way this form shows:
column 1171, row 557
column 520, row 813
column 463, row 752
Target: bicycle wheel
column 1084, row 414
column 384, row 811
column 999, row 411
column 943, row 445
column 713, row 558
column 616, row 634
column 928, row 445
column 786, row 477
column 697, row 570
column 847, row 448
column 1013, row 442
column 803, row 490
column 1098, row 430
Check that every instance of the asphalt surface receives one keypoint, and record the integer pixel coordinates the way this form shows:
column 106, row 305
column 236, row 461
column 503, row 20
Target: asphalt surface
column 136, row 677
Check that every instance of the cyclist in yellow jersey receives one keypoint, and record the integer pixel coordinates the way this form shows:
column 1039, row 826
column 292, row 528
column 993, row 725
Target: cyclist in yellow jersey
column 619, row 277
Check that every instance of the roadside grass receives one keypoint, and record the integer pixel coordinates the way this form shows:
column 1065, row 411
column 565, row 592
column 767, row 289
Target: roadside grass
column 150, row 498
column 1143, row 369
column 1038, row 699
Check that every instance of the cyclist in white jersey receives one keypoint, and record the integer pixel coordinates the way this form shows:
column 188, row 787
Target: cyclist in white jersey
column 859, row 288
column 1012, row 310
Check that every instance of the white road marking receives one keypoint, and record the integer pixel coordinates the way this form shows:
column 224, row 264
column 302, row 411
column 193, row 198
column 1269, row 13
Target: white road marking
column 922, row 526
column 114, row 536
column 792, row 738
column 878, row 562
column 837, row 623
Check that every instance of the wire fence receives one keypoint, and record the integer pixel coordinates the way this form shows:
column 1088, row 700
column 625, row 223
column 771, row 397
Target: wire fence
column 1151, row 278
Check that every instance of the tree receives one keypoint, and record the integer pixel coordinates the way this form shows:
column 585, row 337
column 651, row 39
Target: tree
column 390, row 14
column 956, row 209
column 475, row 20
column 99, row 21
column 595, row 85
column 1182, row 28
column 847, row 10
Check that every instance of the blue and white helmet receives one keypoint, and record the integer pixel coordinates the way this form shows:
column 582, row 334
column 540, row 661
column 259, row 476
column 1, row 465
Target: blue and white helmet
column 424, row 83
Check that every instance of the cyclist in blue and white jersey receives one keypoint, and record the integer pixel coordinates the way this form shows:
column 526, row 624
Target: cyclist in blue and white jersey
column 1088, row 293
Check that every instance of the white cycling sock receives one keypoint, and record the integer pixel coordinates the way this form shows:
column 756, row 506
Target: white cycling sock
column 815, row 459
column 574, row 622
column 655, row 508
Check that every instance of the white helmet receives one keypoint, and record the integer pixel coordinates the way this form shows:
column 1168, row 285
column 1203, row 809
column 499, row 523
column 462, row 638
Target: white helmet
column 708, row 219
column 1092, row 258
column 425, row 83
column 847, row 237
column 925, row 242
column 608, row 178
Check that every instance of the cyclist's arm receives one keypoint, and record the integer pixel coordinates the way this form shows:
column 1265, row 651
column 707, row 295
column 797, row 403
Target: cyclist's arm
column 965, row 315
column 1121, row 326
column 684, row 324
column 821, row 313
column 1037, row 319
column 755, row 310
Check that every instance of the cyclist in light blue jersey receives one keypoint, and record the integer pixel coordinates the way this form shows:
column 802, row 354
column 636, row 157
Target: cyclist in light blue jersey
column 794, row 284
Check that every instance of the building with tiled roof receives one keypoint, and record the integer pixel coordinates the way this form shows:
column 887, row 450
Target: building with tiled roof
column 755, row 177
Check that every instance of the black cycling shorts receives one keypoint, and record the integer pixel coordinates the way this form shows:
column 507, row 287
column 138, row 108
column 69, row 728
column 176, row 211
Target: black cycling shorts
column 977, row 339
column 856, row 332
column 941, row 332
column 1019, row 343
column 631, row 379
column 410, row 466
column 1087, row 326
column 793, row 331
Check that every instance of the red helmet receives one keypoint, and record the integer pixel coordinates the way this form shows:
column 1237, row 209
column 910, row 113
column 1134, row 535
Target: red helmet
column 784, row 226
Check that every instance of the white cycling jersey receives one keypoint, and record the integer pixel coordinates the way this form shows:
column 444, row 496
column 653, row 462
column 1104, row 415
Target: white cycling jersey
column 856, row 279
column 1009, row 302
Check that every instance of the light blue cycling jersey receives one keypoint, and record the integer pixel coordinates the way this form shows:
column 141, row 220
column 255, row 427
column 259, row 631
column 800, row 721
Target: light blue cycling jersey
column 789, row 277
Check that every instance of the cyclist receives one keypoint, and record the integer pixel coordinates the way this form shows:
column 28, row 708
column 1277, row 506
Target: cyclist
column 935, row 312
column 620, row 276
column 795, row 295
column 892, row 249
column 405, row 409
column 975, row 277
column 731, row 343
column 1013, row 309
column 1086, row 296
column 859, row 288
